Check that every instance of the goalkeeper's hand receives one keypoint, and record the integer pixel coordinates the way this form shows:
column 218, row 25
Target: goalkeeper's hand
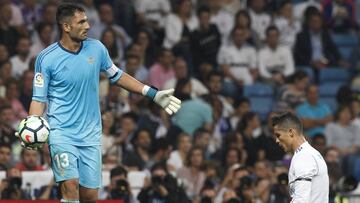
column 163, row 98
column 27, row 146
column 167, row 101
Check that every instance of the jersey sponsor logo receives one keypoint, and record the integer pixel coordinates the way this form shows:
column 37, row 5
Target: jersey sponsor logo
column 91, row 60
column 39, row 80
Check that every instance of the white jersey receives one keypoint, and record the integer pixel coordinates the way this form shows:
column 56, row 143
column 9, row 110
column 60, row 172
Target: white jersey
column 308, row 176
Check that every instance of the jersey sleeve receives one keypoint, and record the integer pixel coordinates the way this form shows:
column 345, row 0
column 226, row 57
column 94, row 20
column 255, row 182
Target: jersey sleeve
column 41, row 80
column 112, row 72
column 305, row 170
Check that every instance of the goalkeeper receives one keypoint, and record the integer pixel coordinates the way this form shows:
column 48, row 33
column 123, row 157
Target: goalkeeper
column 67, row 79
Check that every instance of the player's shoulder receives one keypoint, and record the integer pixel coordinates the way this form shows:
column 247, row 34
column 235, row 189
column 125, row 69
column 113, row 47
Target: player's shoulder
column 48, row 50
column 92, row 42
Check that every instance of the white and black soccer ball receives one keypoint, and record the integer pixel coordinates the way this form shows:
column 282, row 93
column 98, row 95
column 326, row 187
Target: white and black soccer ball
column 34, row 131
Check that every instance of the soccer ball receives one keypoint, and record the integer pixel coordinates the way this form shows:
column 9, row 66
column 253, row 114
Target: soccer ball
column 34, row 131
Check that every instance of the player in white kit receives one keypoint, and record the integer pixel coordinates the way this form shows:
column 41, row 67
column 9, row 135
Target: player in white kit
column 308, row 174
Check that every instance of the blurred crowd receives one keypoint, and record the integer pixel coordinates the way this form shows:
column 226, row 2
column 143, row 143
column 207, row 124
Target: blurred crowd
column 219, row 147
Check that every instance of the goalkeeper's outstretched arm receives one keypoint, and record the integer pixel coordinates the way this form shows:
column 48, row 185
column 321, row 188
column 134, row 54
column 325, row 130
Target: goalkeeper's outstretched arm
column 164, row 98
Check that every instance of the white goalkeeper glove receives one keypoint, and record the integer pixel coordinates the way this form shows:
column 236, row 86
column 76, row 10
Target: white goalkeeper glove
column 163, row 98
column 27, row 146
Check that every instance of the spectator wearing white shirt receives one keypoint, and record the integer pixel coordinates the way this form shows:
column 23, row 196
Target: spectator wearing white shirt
column 20, row 61
column 221, row 18
column 178, row 157
column 178, row 25
column 152, row 12
column 308, row 174
column 181, row 71
column 242, row 19
column 106, row 20
column 260, row 20
column 275, row 61
column 287, row 25
column 238, row 61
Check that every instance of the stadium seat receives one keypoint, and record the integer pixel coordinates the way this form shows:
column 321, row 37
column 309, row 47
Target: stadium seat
column 330, row 101
column 333, row 75
column 342, row 40
column 309, row 71
column 258, row 90
column 262, row 106
column 346, row 52
column 329, row 89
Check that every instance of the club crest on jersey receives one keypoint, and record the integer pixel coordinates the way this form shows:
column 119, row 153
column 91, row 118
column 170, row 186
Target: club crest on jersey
column 39, row 80
column 91, row 60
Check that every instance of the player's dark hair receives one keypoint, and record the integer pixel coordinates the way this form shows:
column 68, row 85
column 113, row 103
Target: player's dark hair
column 67, row 10
column 287, row 120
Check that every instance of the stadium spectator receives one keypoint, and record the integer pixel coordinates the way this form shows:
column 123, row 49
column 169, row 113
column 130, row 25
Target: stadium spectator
column 163, row 70
column 201, row 112
column 30, row 161
column 319, row 143
column 275, row 60
column 109, row 39
column 191, row 175
column 48, row 17
column 44, row 31
column 293, row 93
column 338, row 15
column 181, row 71
column 128, row 126
column 145, row 39
column 204, row 140
column 287, row 25
column 119, row 187
column 205, row 41
column 108, row 139
column 91, row 11
column 222, row 19
column 178, row 26
column 106, row 20
column 214, row 82
column 4, row 54
column 134, row 68
column 260, row 20
column 314, row 46
column 8, row 34
column 162, row 188
column 314, row 114
column 342, row 133
column 20, row 61
column 12, row 97
column 16, row 16
column 5, row 156
column 31, row 12
column 138, row 158
column 8, row 124
column 11, row 186
column 26, row 89
column 249, row 127
column 177, row 157
column 238, row 62
column 242, row 19
column 153, row 14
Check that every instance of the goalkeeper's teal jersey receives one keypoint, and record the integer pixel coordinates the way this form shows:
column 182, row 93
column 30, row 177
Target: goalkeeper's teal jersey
column 69, row 83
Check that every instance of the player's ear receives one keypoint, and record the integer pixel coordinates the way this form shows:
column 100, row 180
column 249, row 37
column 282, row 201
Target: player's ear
column 66, row 27
column 291, row 132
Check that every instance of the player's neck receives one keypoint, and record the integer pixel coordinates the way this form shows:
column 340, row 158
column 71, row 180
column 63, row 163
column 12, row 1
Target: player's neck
column 298, row 142
column 69, row 44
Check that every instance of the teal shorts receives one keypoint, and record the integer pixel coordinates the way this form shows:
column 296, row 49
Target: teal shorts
column 77, row 162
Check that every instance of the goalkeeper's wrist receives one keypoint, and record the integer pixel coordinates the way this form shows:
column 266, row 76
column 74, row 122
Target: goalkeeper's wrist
column 149, row 92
